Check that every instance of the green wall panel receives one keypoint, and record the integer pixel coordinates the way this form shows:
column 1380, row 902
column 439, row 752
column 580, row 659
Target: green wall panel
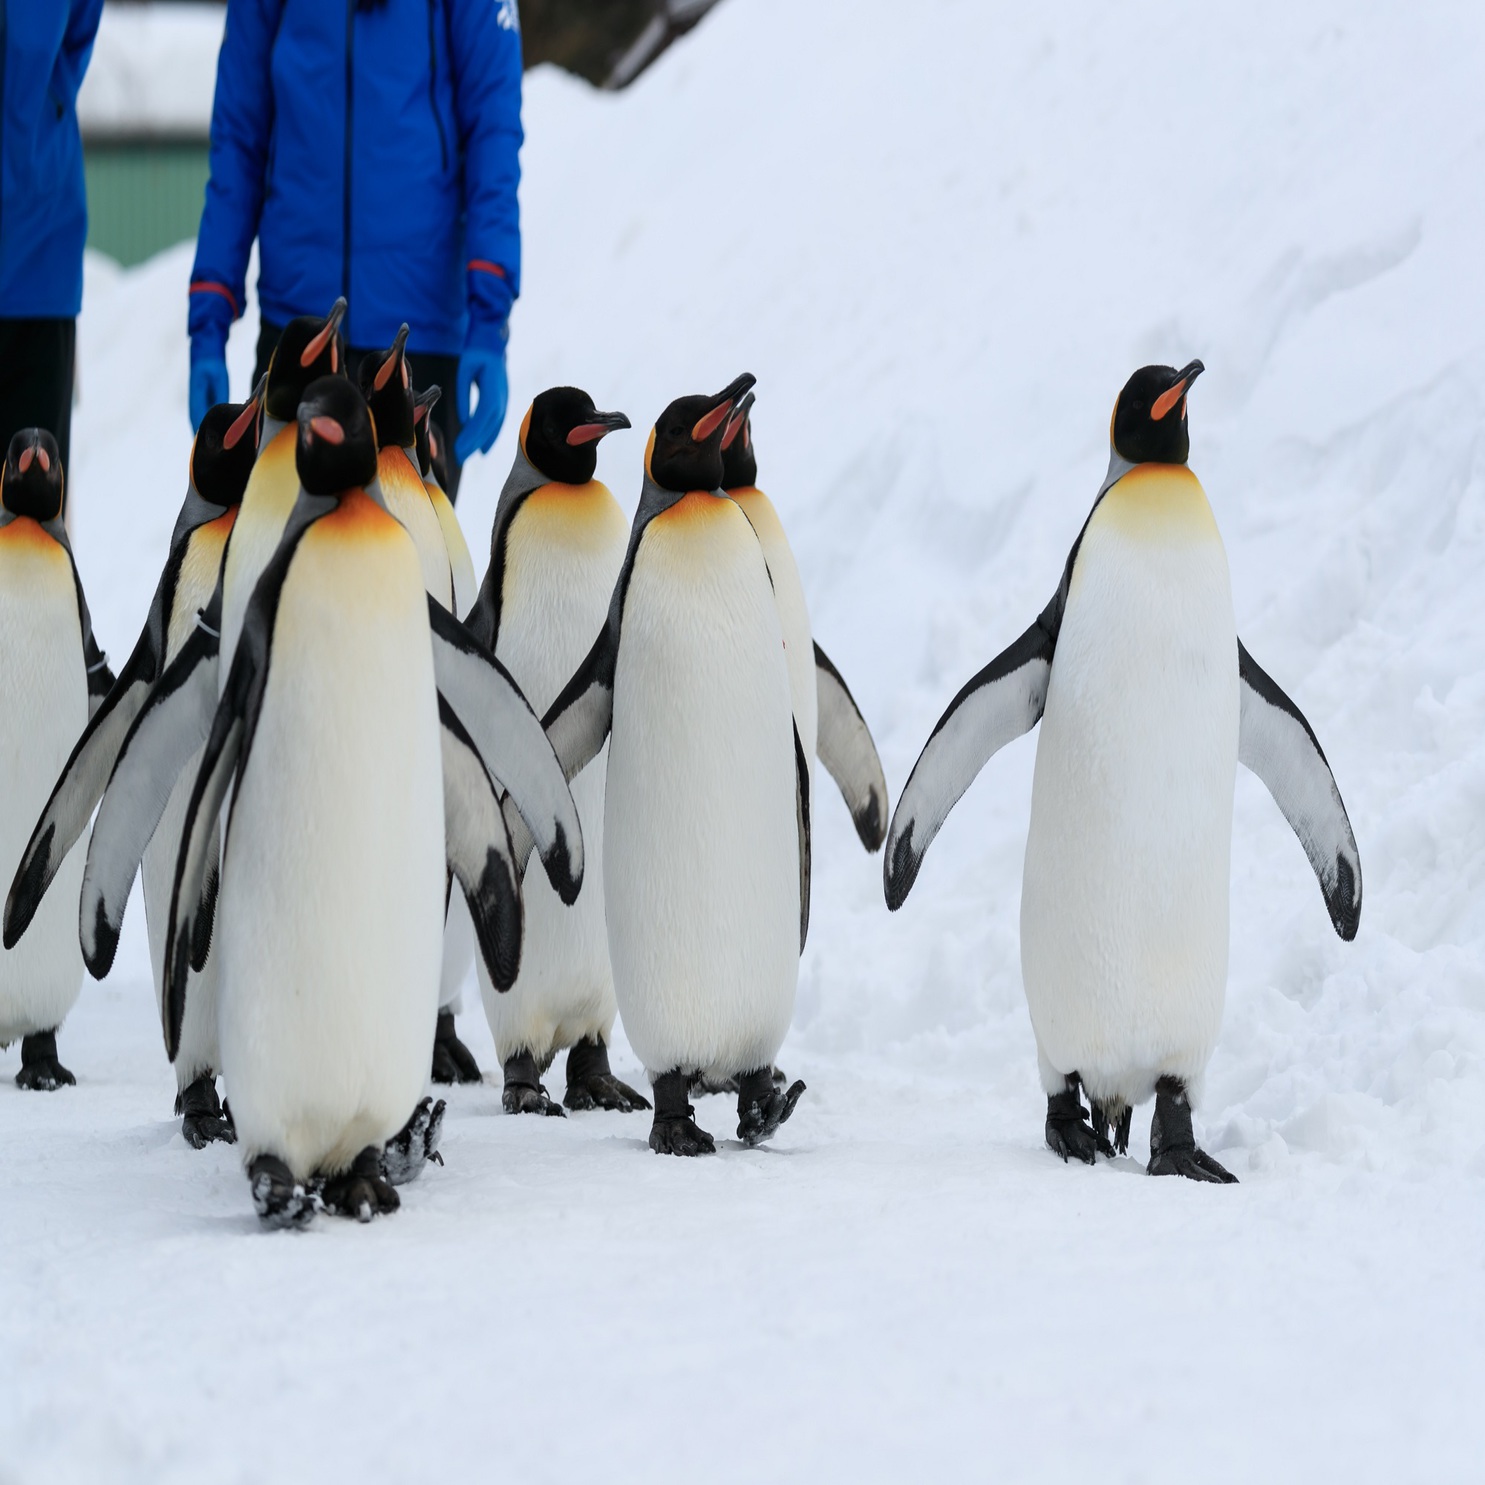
column 143, row 195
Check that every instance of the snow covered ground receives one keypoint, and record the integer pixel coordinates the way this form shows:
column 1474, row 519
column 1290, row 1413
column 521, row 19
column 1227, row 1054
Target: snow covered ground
column 941, row 235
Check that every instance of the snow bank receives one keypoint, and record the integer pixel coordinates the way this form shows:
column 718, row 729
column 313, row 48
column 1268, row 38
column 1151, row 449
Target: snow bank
column 153, row 71
column 942, row 236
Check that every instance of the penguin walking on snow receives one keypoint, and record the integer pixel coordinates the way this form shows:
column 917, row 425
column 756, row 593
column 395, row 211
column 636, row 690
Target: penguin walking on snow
column 706, row 810
column 52, row 674
column 386, row 382
column 555, row 553
column 1148, row 700
column 332, row 906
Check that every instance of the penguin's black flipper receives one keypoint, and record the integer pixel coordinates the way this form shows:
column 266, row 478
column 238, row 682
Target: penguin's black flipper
column 479, row 851
column 844, row 746
column 998, row 705
column 511, row 745
column 578, row 721
column 802, row 820
column 1279, row 745
column 78, row 790
column 174, row 721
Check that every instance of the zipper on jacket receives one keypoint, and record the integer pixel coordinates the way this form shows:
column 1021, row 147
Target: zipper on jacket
column 443, row 143
column 350, row 98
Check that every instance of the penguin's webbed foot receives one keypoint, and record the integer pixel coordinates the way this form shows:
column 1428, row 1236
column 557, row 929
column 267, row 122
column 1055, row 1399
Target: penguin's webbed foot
column 591, row 1083
column 1173, row 1148
column 203, row 1118
column 408, row 1151
column 1105, row 1121
column 281, row 1201
column 762, row 1106
column 453, row 1062
column 1069, row 1133
column 675, row 1131
column 40, row 1071
column 362, row 1191
column 523, row 1092
column 703, row 1084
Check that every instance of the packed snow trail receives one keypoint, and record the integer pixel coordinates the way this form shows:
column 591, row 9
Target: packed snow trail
column 943, row 237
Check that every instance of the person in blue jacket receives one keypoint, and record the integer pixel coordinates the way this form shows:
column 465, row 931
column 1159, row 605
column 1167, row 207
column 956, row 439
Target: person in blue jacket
column 372, row 148
column 44, row 50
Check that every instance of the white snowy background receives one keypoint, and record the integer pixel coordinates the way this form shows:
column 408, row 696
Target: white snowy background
column 942, row 235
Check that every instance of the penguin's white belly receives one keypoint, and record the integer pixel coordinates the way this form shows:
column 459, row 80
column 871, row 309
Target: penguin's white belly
column 267, row 504
column 43, row 710
column 331, row 909
column 198, row 1052
column 407, row 498
column 701, row 864
column 794, row 615
column 1124, row 905
column 564, row 550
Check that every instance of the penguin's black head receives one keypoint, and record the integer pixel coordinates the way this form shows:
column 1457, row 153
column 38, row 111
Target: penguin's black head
column 309, row 348
column 560, row 434
column 386, row 383
column 739, row 466
column 32, row 484
column 685, row 451
column 1149, row 424
column 336, row 451
column 429, row 461
column 225, row 449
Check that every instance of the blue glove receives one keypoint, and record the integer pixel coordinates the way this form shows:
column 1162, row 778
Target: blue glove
column 209, row 386
column 484, row 368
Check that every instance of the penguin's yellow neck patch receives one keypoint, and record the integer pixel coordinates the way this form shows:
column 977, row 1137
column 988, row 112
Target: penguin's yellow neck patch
column 697, row 506
column 1158, row 502
column 274, row 483
column 579, row 517
column 24, row 534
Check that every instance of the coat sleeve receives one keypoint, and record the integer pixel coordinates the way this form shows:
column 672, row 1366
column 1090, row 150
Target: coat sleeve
column 241, row 126
column 77, row 44
column 485, row 46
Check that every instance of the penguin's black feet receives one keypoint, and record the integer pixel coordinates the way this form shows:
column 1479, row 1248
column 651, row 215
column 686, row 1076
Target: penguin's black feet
column 762, row 1106
column 703, row 1084
column 1068, row 1132
column 280, row 1199
column 1107, row 1122
column 591, row 1083
column 410, row 1150
column 203, row 1118
column 40, row 1070
column 523, row 1092
column 361, row 1192
column 453, row 1062
column 1173, row 1150
column 674, row 1131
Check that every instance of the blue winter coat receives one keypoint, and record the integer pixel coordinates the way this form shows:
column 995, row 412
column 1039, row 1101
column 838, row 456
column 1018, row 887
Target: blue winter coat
column 44, row 48
column 372, row 148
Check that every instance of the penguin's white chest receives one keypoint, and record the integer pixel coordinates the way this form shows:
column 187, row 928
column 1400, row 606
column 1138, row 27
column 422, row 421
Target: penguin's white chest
column 267, row 504
column 331, row 914
column 407, row 498
column 43, row 710
column 563, row 552
column 1124, row 908
column 701, row 865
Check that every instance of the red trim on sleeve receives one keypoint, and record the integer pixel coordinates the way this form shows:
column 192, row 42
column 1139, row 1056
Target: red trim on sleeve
column 206, row 286
column 483, row 265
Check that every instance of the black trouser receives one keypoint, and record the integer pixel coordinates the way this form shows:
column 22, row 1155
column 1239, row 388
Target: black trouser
column 36, row 364
column 428, row 371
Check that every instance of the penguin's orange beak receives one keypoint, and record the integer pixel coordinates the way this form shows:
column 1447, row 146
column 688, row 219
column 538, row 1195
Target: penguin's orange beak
column 1169, row 399
column 247, row 418
column 327, row 429
column 727, row 399
column 317, row 346
column 598, row 426
column 394, row 359
column 738, row 422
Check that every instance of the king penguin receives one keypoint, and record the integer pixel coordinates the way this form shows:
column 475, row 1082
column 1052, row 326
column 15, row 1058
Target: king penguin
column 52, row 674
column 706, row 811
column 329, row 923
column 555, row 553
column 1148, row 700
column 222, row 456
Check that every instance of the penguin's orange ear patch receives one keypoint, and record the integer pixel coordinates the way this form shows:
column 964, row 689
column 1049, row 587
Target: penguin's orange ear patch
column 1168, row 400
column 586, row 433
